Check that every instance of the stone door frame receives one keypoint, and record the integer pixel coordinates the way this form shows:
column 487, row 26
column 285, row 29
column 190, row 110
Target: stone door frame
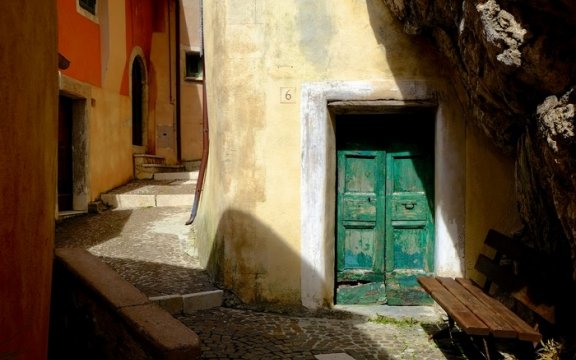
column 81, row 95
column 318, row 177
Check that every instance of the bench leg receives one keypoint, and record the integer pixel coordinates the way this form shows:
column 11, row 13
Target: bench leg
column 486, row 348
column 489, row 348
column 450, row 327
column 441, row 333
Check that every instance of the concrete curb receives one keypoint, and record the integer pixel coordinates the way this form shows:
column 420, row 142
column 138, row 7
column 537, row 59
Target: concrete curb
column 157, row 329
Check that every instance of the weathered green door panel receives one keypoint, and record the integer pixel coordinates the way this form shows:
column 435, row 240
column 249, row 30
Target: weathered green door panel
column 360, row 224
column 410, row 229
column 359, row 207
column 369, row 293
column 400, row 289
column 409, row 245
column 409, row 206
column 359, row 248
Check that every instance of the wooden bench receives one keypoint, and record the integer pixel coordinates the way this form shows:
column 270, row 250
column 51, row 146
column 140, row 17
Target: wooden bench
column 480, row 315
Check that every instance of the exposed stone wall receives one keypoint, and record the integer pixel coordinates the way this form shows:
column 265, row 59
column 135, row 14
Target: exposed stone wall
column 516, row 64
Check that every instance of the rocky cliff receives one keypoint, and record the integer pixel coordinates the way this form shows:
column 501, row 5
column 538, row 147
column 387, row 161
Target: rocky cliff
column 516, row 61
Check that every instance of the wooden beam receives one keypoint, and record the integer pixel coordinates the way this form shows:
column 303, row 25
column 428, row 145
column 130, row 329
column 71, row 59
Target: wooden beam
column 382, row 106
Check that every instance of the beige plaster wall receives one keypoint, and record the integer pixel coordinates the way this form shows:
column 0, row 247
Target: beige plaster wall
column 490, row 195
column 28, row 129
column 191, row 121
column 248, row 226
column 249, row 219
column 191, row 96
column 163, row 71
column 109, row 128
column 110, row 147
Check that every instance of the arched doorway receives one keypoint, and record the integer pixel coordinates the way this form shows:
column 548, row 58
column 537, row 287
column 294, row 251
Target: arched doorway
column 138, row 83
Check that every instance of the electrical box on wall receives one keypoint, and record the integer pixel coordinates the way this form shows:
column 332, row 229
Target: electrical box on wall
column 165, row 136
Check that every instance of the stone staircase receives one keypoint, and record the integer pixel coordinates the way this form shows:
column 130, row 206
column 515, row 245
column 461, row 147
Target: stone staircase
column 156, row 185
column 163, row 190
column 146, row 166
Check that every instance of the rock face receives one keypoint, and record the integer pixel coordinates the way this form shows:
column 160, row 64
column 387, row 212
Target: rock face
column 516, row 61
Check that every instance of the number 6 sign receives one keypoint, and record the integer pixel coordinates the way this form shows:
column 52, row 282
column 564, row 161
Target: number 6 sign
column 287, row 95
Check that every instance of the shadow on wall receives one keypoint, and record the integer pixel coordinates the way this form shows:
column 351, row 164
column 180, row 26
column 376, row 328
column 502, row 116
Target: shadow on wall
column 254, row 262
column 408, row 56
column 412, row 57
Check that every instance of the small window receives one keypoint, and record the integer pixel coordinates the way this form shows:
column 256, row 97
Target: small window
column 194, row 67
column 88, row 5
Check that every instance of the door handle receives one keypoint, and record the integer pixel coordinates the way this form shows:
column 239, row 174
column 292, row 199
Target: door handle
column 409, row 205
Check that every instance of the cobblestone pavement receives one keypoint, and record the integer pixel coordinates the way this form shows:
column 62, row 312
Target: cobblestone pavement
column 144, row 245
column 243, row 334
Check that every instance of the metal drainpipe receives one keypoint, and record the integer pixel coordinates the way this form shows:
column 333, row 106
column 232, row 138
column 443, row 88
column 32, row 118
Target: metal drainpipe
column 205, row 137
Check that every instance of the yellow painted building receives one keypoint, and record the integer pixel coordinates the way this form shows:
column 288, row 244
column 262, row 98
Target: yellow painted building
column 280, row 75
column 125, row 92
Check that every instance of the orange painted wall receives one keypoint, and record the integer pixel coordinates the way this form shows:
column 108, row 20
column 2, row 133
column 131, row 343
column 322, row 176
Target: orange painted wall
column 79, row 42
column 28, row 129
column 141, row 21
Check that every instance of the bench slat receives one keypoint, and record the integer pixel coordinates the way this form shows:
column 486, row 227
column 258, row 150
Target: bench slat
column 457, row 311
column 510, row 247
column 525, row 331
column 499, row 327
column 546, row 311
column 496, row 274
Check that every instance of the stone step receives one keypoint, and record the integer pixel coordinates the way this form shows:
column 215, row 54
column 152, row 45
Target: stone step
column 140, row 159
column 151, row 193
column 146, row 165
column 189, row 303
column 147, row 171
column 130, row 201
column 180, row 175
column 191, row 165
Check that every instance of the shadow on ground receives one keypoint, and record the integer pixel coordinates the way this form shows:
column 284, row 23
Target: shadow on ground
column 157, row 279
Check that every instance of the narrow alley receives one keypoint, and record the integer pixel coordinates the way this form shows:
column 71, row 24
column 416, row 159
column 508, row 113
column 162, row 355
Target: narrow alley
column 148, row 247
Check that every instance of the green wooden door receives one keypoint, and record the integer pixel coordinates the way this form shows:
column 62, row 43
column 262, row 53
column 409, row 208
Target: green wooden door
column 360, row 245
column 385, row 227
column 410, row 225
